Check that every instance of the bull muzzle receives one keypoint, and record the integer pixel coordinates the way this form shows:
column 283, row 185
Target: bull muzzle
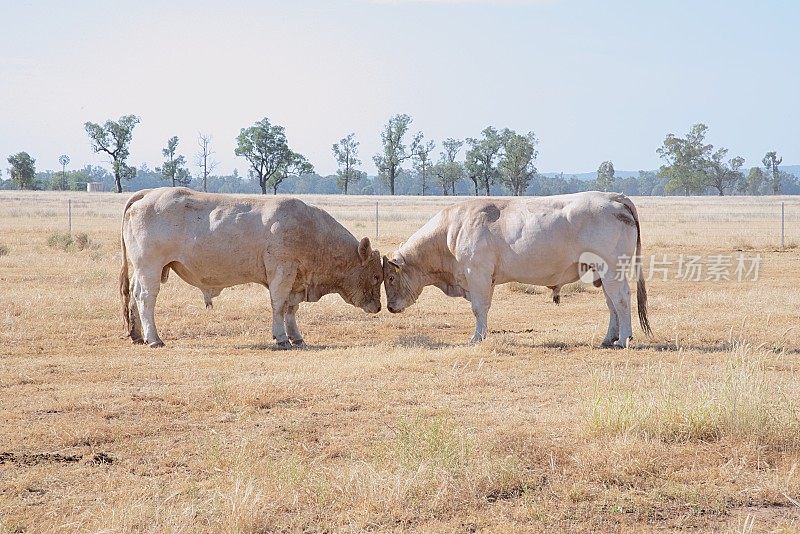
column 372, row 307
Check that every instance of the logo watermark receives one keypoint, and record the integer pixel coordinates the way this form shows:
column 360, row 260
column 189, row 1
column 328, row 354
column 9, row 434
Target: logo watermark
column 681, row 267
column 591, row 267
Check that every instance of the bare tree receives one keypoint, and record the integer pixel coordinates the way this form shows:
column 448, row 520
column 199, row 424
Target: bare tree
column 204, row 158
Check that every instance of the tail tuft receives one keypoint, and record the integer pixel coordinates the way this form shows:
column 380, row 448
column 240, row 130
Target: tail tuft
column 124, row 283
column 641, row 290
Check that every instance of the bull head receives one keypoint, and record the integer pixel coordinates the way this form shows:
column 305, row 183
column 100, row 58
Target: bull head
column 400, row 285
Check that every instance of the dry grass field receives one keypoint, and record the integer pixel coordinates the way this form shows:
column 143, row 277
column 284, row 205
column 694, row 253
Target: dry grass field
column 394, row 422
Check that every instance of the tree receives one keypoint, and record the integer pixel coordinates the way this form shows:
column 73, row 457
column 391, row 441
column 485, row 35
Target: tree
column 293, row 164
column 448, row 170
column 22, row 170
column 648, row 182
column 204, row 158
column 455, row 169
column 605, row 176
column 265, row 148
column 481, row 158
column 114, row 138
column 421, row 153
column 394, row 151
column 346, row 154
column 516, row 165
column 755, row 179
column 721, row 175
column 174, row 167
column 58, row 182
column 771, row 162
column 686, row 160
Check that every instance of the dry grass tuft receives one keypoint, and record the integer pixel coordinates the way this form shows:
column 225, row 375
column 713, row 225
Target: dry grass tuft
column 498, row 345
column 431, row 443
column 66, row 243
column 4, row 250
column 59, row 241
column 82, row 241
column 516, row 287
column 738, row 401
column 574, row 288
column 419, row 341
column 567, row 289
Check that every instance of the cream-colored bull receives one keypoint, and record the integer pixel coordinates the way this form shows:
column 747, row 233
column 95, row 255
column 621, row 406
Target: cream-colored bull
column 216, row 241
column 468, row 248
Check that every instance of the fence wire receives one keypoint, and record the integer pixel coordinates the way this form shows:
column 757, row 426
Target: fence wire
column 731, row 222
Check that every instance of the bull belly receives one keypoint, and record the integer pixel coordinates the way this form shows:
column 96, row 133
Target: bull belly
column 538, row 274
column 217, row 276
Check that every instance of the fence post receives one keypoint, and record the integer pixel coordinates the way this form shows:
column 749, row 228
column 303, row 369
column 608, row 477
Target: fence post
column 376, row 220
column 783, row 209
column 69, row 214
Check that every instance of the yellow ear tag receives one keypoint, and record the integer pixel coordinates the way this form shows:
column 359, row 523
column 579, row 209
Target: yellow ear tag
column 397, row 269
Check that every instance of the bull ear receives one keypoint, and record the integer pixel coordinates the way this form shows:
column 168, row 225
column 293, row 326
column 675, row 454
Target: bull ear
column 395, row 264
column 364, row 250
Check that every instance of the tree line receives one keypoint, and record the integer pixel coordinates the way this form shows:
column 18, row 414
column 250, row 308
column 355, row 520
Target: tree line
column 498, row 161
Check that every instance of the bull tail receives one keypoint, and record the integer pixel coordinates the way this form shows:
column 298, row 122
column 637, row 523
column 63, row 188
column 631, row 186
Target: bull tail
column 641, row 290
column 124, row 282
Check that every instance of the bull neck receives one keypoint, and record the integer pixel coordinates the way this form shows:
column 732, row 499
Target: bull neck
column 428, row 255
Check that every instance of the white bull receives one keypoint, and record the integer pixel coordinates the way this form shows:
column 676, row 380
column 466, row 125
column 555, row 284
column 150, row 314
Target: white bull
column 216, row 241
column 468, row 248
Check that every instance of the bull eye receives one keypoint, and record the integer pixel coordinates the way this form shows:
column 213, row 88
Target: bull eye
column 391, row 278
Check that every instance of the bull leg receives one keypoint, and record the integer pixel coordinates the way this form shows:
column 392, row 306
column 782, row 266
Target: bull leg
column 145, row 289
column 208, row 296
column 280, row 288
column 618, row 295
column 135, row 321
column 556, row 293
column 290, row 322
column 612, row 335
column 480, row 297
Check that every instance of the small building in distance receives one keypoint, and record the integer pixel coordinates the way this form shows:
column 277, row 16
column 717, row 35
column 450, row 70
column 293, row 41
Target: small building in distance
column 94, row 187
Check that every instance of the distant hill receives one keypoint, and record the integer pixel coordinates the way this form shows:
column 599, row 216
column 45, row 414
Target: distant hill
column 791, row 169
column 586, row 176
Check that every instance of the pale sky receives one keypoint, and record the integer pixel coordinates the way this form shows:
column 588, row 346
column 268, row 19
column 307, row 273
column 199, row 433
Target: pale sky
column 595, row 80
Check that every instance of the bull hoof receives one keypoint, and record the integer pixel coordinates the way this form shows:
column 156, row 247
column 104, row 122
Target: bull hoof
column 283, row 345
column 137, row 341
column 156, row 344
column 623, row 345
column 209, row 305
column 299, row 344
column 609, row 344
